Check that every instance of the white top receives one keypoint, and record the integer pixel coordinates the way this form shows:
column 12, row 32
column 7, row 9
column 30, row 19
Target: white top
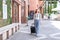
column 37, row 16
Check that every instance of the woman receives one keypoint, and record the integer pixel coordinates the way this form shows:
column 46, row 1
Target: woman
column 37, row 17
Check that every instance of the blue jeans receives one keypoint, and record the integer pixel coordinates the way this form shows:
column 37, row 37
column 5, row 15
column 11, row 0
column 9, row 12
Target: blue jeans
column 37, row 26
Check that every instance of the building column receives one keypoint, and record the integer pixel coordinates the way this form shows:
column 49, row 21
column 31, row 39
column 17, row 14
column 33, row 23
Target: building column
column 20, row 12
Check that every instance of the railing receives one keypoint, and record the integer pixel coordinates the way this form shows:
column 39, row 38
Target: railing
column 9, row 30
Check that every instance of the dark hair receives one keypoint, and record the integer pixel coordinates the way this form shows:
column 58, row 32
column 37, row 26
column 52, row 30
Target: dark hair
column 36, row 11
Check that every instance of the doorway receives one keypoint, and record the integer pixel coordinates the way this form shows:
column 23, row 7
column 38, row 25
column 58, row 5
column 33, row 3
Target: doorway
column 15, row 12
column 23, row 12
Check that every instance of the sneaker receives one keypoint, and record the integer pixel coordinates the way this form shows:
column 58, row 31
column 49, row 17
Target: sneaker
column 38, row 35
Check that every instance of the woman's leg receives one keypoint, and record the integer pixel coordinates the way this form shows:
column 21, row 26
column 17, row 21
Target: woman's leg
column 36, row 24
column 38, row 27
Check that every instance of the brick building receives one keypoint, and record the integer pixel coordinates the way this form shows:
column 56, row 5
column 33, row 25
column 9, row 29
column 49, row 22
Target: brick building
column 19, row 11
column 36, row 4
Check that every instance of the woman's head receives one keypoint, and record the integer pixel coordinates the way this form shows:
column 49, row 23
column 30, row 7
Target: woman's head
column 37, row 11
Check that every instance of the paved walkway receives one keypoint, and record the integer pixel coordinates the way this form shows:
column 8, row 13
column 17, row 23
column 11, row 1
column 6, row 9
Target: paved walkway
column 48, row 32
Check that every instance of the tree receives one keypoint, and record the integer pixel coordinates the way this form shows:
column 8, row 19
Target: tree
column 49, row 8
column 0, row 8
column 55, row 5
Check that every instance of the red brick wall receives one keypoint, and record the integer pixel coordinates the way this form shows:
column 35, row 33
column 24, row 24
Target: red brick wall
column 33, row 4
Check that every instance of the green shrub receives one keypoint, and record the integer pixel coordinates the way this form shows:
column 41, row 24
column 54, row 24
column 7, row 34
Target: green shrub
column 0, row 9
column 8, row 2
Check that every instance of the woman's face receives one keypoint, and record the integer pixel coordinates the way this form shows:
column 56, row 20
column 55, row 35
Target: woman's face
column 38, row 11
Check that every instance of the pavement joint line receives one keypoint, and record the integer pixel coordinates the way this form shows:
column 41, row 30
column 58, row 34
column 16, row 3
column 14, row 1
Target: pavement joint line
column 38, row 38
column 55, row 35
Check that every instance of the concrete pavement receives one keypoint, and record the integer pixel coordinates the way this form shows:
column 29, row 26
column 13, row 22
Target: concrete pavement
column 48, row 32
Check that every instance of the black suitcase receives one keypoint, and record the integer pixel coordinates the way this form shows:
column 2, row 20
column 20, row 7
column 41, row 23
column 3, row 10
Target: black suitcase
column 33, row 29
